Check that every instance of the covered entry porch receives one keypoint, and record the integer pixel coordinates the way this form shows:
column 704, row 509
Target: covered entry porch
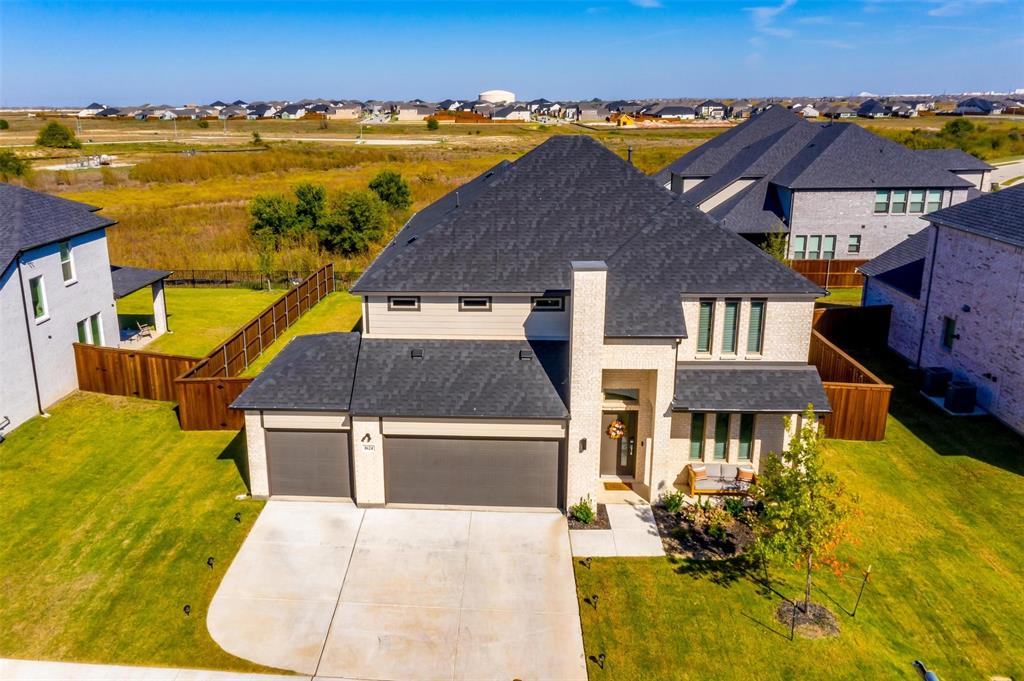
column 138, row 330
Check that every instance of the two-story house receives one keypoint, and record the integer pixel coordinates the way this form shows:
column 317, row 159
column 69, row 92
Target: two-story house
column 838, row 190
column 957, row 293
column 55, row 290
column 559, row 321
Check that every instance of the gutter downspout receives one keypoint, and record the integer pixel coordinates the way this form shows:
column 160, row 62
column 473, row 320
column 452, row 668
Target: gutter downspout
column 28, row 334
column 928, row 298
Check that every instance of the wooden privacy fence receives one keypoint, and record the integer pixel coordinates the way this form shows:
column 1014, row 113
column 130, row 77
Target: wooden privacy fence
column 859, row 399
column 854, row 327
column 205, row 391
column 202, row 387
column 129, row 372
column 831, row 273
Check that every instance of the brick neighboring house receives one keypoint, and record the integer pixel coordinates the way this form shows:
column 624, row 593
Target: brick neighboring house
column 957, row 291
column 839, row 191
column 513, row 329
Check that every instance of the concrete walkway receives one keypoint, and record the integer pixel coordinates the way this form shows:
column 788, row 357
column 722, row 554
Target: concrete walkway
column 332, row 591
column 633, row 533
column 35, row 670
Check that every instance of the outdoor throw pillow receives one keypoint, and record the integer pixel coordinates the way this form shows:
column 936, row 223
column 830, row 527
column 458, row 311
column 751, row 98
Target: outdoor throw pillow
column 745, row 474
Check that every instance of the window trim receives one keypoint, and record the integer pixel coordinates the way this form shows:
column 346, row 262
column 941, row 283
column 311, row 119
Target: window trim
column 734, row 332
column 816, row 253
column 927, row 202
column 558, row 308
column 70, row 262
column 751, row 419
column 39, row 319
column 903, row 205
column 948, row 333
column 83, row 331
column 392, row 307
column 923, row 202
column 763, row 303
column 853, row 243
column 486, row 307
column 801, row 252
column 700, row 440
column 888, row 201
column 710, row 302
column 725, row 443
column 96, row 328
column 826, row 241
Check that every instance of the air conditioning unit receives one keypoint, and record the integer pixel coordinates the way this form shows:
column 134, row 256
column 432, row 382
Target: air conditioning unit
column 961, row 397
column 935, row 380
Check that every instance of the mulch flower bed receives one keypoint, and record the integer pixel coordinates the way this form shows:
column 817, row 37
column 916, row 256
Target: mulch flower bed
column 817, row 622
column 687, row 534
column 600, row 521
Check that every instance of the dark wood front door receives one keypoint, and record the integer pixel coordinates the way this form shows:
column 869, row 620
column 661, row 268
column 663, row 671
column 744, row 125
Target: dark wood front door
column 618, row 457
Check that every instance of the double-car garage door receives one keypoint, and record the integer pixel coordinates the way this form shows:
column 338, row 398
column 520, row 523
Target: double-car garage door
column 442, row 471
column 472, row 472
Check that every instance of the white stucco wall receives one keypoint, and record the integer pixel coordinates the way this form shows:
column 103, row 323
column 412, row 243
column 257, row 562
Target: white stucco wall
column 52, row 336
column 843, row 213
column 510, row 317
column 979, row 282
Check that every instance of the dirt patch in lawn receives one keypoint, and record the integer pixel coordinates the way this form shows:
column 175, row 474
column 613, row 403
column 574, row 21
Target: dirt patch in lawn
column 817, row 622
column 600, row 521
column 688, row 533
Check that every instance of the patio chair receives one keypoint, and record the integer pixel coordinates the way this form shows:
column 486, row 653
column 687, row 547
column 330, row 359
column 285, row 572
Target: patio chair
column 145, row 329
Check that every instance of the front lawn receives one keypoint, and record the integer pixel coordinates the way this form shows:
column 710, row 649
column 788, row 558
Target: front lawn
column 199, row 318
column 941, row 527
column 339, row 311
column 108, row 515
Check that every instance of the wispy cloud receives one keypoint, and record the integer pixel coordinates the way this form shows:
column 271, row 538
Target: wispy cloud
column 764, row 19
column 646, row 4
column 956, row 8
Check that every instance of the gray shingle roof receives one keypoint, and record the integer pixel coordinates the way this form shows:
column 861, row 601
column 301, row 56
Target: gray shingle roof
column 461, row 379
column 728, row 387
column 128, row 280
column 998, row 215
column 518, row 227
column 846, row 156
column 29, row 219
column 954, row 159
column 311, row 373
column 902, row 266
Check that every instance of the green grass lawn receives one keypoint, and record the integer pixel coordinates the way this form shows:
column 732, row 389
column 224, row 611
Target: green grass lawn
column 941, row 526
column 199, row 318
column 108, row 515
column 338, row 311
column 842, row 296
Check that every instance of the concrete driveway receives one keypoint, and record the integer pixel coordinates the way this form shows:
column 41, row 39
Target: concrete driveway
column 330, row 590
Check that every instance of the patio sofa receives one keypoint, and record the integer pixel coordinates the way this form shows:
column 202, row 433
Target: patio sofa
column 720, row 478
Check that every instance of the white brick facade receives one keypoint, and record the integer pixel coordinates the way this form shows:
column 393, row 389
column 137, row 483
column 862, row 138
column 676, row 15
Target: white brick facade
column 905, row 322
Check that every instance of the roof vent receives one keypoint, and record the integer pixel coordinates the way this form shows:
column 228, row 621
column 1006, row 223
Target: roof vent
column 416, row 353
column 411, row 239
column 526, row 354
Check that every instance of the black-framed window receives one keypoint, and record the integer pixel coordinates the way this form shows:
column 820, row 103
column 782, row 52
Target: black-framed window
column 475, row 303
column 746, row 452
column 721, row 437
column 730, row 326
column 706, row 323
column 853, row 243
column 548, row 304
column 755, row 329
column 697, row 437
column 404, row 303
column 948, row 332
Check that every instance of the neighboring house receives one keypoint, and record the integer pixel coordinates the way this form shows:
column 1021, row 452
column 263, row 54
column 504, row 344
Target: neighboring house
column 957, row 291
column 449, row 104
column 179, row 114
column 840, row 191
column 511, row 113
column 345, row 111
column 109, row 112
column 872, row 108
column 962, row 164
column 232, row 111
column 509, row 325
column 55, row 289
column 676, row 112
column 711, row 109
column 257, row 111
column 408, row 111
column 839, row 111
column 978, row 106
column 91, row 110
column 291, row 112
column 218, row 105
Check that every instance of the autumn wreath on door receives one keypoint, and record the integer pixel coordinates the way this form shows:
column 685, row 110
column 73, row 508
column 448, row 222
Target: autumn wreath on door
column 616, row 429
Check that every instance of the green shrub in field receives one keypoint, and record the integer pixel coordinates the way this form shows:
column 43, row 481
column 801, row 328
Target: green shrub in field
column 4, row 125
column 583, row 510
column 202, row 124
column 11, row 165
column 432, row 124
column 392, row 189
column 272, row 215
column 353, row 221
column 57, row 136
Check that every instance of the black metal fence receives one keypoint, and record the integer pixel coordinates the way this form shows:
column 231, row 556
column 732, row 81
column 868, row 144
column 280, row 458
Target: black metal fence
column 253, row 279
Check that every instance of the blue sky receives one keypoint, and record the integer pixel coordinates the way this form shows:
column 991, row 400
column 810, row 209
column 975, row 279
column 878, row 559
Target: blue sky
column 124, row 52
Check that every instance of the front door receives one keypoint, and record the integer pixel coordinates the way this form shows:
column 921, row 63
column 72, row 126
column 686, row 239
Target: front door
column 618, row 456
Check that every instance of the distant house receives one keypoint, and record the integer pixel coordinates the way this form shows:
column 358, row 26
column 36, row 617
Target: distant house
column 216, row 105
column 711, row 109
column 109, row 112
column 872, row 108
column 960, row 163
column 589, row 111
column 257, row 111
column 956, row 298
column 449, row 104
column 516, row 112
column 539, row 105
column 239, row 102
column 232, row 111
column 345, row 111
column 839, row 111
column 409, row 111
column 291, row 112
column 840, row 191
column 91, row 110
column 179, row 114
column 677, row 112
column 741, row 108
column 978, row 106
column 806, row 110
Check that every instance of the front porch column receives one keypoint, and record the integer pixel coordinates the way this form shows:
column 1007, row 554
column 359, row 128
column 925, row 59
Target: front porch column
column 589, row 280
column 256, row 451
column 159, row 307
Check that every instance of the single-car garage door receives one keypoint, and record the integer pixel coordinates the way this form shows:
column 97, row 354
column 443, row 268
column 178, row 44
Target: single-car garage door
column 472, row 472
column 308, row 463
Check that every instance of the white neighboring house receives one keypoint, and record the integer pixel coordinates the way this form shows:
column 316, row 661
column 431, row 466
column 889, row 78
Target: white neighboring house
column 511, row 113
column 56, row 289
column 91, row 110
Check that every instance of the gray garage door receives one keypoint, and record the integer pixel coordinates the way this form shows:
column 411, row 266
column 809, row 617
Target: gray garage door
column 469, row 472
column 308, row 463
